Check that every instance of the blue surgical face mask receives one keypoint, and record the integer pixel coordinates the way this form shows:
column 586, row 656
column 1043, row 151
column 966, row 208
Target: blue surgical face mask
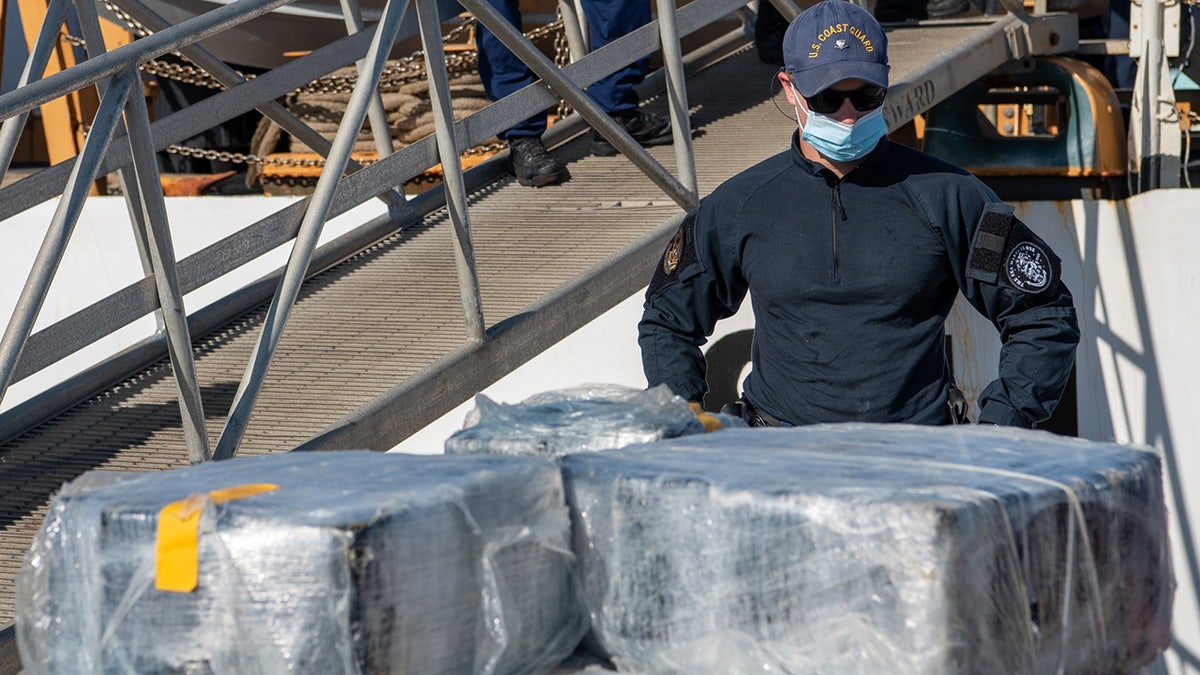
column 843, row 142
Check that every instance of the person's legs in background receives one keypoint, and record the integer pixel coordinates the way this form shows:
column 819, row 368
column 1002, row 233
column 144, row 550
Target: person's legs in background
column 608, row 20
column 769, row 27
column 502, row 74
column 896, row 11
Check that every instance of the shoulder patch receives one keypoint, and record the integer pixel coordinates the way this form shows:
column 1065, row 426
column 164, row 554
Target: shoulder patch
column 679, row 255
column 1006, row 252
column 1028, row 267
column 674, row 252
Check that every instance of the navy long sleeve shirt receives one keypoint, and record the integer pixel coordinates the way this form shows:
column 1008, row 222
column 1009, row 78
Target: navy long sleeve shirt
column 851, row 281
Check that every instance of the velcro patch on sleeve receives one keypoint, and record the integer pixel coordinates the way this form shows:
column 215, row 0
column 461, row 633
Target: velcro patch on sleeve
column 1006, row 252
column 679, row 255
column 988, row 246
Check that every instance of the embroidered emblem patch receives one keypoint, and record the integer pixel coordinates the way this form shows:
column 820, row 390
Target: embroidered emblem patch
column 1028, row 267
column 673, row 253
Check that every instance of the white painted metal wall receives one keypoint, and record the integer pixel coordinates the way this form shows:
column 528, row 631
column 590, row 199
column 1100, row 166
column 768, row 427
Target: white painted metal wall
column 1137, row 310
column 1138, row 366
column 101, row 258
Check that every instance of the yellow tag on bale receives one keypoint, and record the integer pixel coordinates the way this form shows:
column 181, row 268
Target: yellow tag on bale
column 177, row 547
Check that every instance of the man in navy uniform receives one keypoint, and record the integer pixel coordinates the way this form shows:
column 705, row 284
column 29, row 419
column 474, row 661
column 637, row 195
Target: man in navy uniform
column 853, row 250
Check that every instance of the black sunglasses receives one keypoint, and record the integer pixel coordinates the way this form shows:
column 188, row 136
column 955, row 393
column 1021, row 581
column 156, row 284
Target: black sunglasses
column 864, row 98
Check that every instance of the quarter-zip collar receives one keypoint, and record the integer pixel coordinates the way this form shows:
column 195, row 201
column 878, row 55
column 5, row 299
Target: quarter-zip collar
column 837, row 210
column 874, row 161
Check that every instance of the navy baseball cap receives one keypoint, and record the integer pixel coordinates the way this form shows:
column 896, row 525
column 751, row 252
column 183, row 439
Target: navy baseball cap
column 831, row 41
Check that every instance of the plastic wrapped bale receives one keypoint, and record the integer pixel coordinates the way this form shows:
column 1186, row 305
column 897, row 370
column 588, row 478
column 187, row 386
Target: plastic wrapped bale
column 581, row 419
column 873, row 549
column 341, row 562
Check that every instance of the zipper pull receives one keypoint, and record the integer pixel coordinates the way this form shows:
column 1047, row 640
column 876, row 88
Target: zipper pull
column 837, row 199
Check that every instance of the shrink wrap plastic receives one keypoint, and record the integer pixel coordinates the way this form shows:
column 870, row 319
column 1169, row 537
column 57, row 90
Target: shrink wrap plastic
column 873, row 549
column 357, row 562
column 581, row 419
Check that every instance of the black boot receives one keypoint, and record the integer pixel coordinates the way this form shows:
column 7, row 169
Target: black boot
column 646, row 128
column 531, row 164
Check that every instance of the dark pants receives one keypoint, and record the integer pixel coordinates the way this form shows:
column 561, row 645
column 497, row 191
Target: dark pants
column 769, row 28
column 503, row 73
column 903, row 10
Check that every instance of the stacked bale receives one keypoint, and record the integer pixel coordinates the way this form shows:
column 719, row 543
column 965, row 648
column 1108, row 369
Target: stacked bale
column 328, row 563
column 838, row 548
column 588, row 418
column 873, row 548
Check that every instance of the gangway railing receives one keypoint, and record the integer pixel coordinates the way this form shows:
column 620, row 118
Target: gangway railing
column 123, row 140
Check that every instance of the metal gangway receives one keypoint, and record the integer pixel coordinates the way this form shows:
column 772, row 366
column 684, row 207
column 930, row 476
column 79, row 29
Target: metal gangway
column 410, row 313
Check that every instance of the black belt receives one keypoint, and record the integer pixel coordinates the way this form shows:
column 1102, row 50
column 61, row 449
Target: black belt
column 757, row 418
column 753, row 416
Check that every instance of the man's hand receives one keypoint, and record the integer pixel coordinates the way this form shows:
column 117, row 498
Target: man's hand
column 710, row 423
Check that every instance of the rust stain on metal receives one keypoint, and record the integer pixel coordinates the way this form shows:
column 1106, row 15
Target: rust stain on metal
column 191, row 184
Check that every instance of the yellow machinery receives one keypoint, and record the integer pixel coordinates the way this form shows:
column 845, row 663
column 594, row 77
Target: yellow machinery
column 1059, row 119
column 63, row 121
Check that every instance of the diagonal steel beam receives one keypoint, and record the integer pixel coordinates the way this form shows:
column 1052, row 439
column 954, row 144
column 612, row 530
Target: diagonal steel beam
column 310, row 231
column 376, row 115
column 49, row 256
column 452, row 178
column 35, row 66
column 681, row 125
column 95, row 45
column 157, row 235
column 142, row 188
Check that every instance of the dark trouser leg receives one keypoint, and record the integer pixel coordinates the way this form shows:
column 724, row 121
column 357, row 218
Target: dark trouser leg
column 503, row 73
column 609, row 20
column 769, row 28
column 902, row 10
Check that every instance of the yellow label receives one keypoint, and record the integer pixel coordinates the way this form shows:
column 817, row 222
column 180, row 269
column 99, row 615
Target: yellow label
column 177, row 547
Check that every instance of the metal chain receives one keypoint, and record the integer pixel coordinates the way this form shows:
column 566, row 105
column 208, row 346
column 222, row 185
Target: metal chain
column 562, row 56
column 134, row 25
column 243, row 158
column 401, row 71
column 247, row 158
column 395, row 73
column 185, row 73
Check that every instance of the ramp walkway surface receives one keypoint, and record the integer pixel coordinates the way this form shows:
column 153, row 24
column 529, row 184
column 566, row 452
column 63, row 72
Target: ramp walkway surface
column 387, row 323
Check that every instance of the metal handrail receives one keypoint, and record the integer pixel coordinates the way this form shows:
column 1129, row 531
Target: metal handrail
column 365, row 92
column 143, row 192
column 24, row 353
